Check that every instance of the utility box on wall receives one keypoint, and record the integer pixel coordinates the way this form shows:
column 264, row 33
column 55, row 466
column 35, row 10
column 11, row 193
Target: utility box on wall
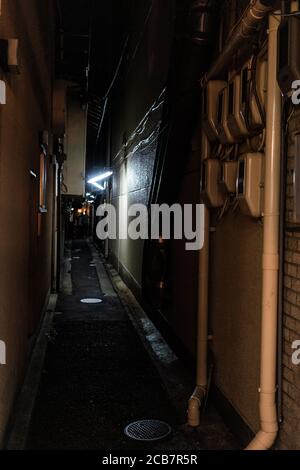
column 74, row 166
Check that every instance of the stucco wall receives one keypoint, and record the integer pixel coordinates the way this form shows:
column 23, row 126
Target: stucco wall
column 25, row 258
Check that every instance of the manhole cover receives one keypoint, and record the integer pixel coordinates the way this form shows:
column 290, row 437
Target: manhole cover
column 148, row 430
column 91, row 301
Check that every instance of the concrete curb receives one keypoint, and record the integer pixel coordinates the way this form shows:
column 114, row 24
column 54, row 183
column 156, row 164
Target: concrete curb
column 25, row 403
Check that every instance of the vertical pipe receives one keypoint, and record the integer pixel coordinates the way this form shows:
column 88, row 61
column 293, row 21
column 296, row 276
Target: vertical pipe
column 199, row 394
column 203, row 305
column 108, row 164
column 59, row 228
column 265, row 438
column 54, row 229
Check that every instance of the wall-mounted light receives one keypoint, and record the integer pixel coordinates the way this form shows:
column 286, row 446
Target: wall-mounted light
column 98, row 186
column 101, row 177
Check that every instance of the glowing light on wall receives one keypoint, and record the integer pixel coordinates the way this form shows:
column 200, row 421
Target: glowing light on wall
column 101, row 177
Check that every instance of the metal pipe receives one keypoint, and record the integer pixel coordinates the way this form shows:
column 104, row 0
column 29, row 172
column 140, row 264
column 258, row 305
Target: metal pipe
column 266, row 437
column 59, row 228
column 200, row 391
column 243, row 32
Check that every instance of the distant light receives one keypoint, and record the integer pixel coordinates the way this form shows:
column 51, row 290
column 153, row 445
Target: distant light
column 100, row 177
column 2, row 91
column 98, row 186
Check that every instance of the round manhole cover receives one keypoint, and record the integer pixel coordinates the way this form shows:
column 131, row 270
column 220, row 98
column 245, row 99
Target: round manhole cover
column 148, row 430
column 91, row 301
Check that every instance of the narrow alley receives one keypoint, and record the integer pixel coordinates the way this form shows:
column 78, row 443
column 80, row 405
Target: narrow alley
column 150, row 229
column 98, row 377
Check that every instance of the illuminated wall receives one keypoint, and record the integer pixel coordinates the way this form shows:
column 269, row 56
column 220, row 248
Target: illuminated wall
column 136, row 118
column 25, row 254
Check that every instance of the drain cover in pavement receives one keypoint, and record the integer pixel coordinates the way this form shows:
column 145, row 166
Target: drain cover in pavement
column 148, row 430
column 91, row 301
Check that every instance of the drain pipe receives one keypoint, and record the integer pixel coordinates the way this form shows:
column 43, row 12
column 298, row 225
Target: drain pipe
column 243, row 32
column 198, row 397
column 266, row 437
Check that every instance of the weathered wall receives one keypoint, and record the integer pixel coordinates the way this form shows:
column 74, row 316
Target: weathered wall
column 25, row 258
column 74, row 167
column 145, row 78
column 235, row 311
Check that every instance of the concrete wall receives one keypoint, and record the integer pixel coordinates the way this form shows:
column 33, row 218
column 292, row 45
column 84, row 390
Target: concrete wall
column 74, row 167
column 235, row 312
column 25, row 257
column 145, row 78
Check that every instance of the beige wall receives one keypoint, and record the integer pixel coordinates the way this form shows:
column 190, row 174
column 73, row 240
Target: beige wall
column 74, row 167
column 25, row 259
column 235, row 311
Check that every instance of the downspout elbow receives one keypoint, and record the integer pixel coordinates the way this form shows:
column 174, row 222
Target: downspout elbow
column 266, row 437
column 263, row 440
column 195, row 404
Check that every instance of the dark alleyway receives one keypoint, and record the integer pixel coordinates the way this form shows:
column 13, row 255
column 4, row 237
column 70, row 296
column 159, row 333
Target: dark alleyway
column 98, row 377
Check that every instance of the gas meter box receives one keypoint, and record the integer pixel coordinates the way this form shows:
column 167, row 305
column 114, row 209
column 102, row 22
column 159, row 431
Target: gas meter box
column 253, row 103
column 212, row 193
column 249, row 184
column 228, row 176
column 205, row 147
column 210, row 108
column 236, row 120
column 224, row 134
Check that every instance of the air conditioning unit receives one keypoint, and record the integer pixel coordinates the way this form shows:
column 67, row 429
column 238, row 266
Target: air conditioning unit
column 224, row 134
column 212, row 193
column 228, row 176
column 249, row 184
column 288, row 54
column 209, row 108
